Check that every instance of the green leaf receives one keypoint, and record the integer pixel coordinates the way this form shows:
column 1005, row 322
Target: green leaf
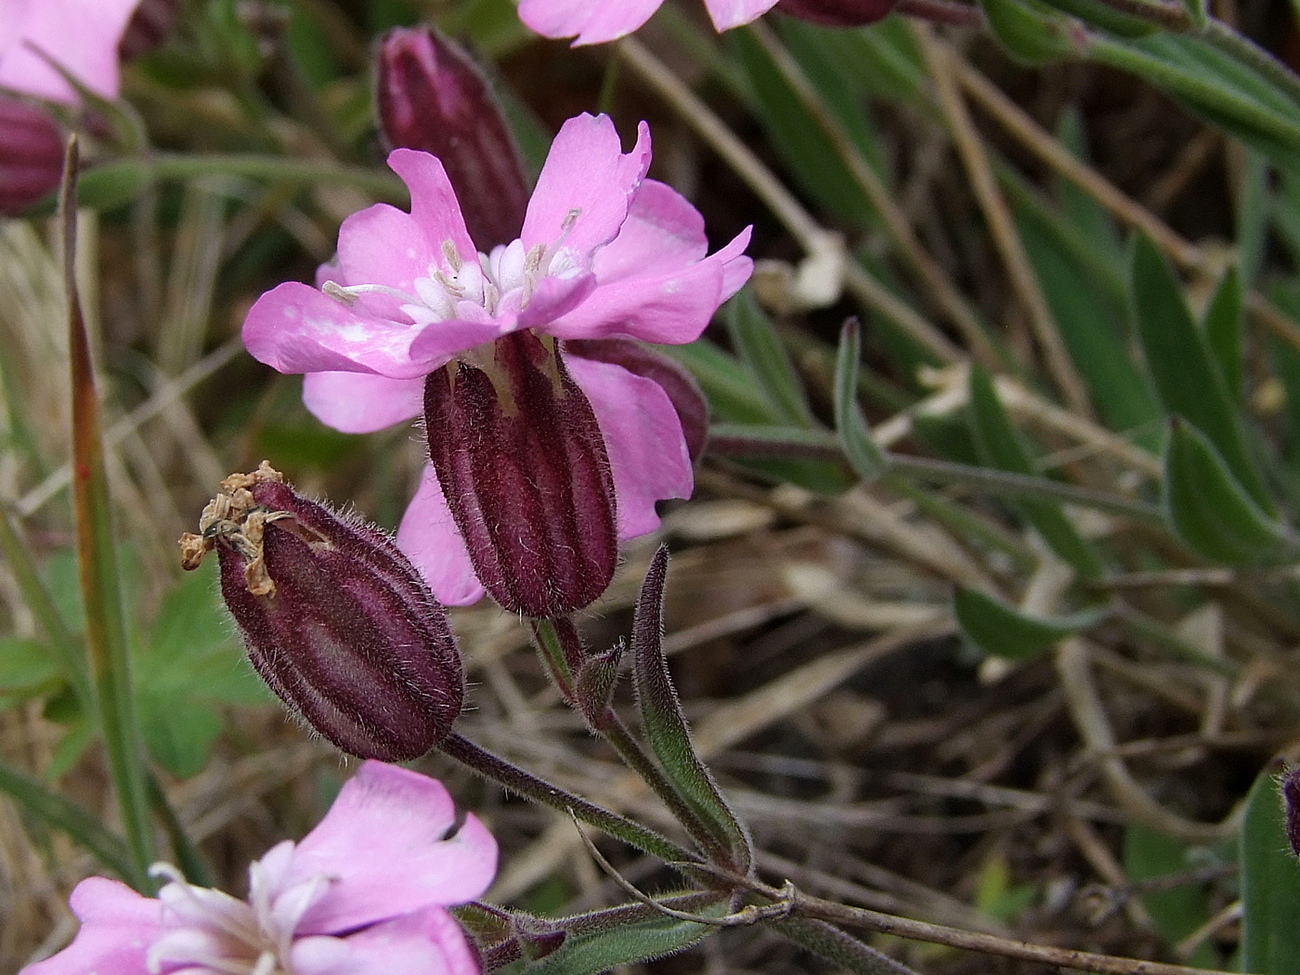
column 1178, row 358
column 1218, row 85
column 796, row 135
column 1003, row 631
column 1029, row 35
column 754, row 337
column 726, row 384
column 866, row 458
column 180, row 739
column 1177, row 911
column 106, row 641
column 1270, row 885
column 27, row 669
column 1000, row 447
column 62, row 813
column 667, row 732
column 1223, row 325
column 1102, row 15
column 1091, row 320
column 1209, row 508
column 624, row 945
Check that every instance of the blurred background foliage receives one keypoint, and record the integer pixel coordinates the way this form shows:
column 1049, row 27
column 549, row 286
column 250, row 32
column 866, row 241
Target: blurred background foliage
column 985, row 611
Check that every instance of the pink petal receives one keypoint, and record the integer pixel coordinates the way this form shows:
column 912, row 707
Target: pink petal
column 662, row 232
column 434, row 206
column 554, row 298
column 384, row 844
column 430, row 539
column 643, row 434
column 594, row 21
column 117, row 927
column 294, row 328
column 672, row 306
column 727, row 14
column 81, row 37
column 585, row 174
column 356, row 402
column 428, row 942
column 386, row 246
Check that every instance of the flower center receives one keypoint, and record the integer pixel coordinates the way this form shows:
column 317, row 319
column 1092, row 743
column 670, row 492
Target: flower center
column 503, row 280
column 208, row 932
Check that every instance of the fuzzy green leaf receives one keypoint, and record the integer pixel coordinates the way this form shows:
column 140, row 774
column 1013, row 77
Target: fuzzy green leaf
column 626, row 944
column 1270, row 885
column 666, row 729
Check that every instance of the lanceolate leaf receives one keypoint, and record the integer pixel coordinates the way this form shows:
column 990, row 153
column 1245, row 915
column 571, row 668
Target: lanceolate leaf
column 1186, row 377
column 106, row 643
column 755, row 338
column 666, row 729
column 1270, row 886
column 867, row 459
column 624, row 945
column 1001, row 447
column 62, row 813
column 1210, row 509
column 1030, row 36
column 1223, row 325
column 1004, row 631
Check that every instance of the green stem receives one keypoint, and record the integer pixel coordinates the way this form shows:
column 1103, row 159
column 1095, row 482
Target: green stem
column 379, row 184
column 1180, row 81
column 605, row 722
column 514, row 779
column 1246, row 51
column 188, row 858
column 105, row 639
column 763, row 441
column 1021, row 485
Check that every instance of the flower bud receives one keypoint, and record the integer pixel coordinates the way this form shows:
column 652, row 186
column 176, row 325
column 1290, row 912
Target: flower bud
column 31, row 155
column 1291, row 807
column 837, row 13
column 432, row 96
column 523, row 466
column 335, row 619
column 148, row 27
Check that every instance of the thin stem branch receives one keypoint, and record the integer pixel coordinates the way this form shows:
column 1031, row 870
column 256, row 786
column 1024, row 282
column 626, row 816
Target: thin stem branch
column 514, row 779
column 989, row 944
column 606, row 722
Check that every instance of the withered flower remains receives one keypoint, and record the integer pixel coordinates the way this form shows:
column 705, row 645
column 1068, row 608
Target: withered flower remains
column 335, row 618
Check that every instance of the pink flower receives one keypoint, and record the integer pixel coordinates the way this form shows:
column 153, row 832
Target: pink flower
column 597, row 21
column 363, row 894
column 603, row 253
column 81, row 36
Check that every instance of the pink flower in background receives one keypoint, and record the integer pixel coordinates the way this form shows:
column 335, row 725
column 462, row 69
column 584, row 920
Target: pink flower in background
column 363, row 894
column 81, row 36
column 598, row 21
column 604, row 253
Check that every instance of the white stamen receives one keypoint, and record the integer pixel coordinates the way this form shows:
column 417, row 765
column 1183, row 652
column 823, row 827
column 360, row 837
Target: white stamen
column 208, row 932
column 487, row 282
